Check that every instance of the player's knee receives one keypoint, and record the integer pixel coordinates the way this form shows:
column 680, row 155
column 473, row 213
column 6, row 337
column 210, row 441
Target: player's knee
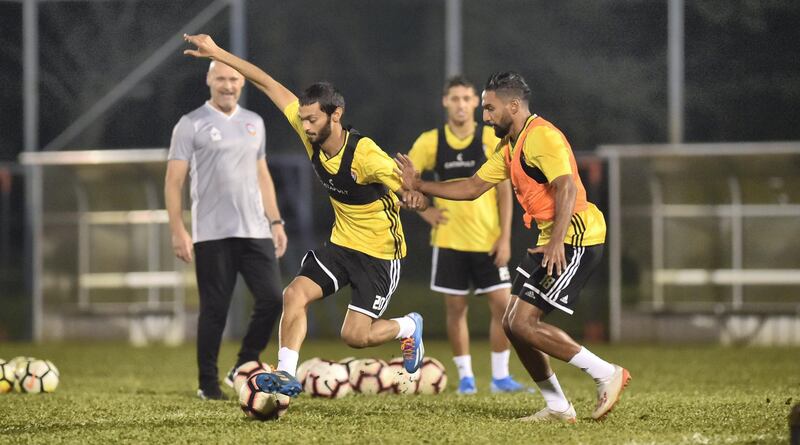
column 457, row 312
column 293, row 298
column 519, row 325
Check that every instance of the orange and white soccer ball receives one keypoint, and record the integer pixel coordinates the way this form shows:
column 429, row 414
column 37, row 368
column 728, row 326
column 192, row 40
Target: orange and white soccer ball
column 402, row 382
column 433, row 376
column 247, row 370
column 329, row 380
column 370, row 376
column 36, row 376
column 262, row 405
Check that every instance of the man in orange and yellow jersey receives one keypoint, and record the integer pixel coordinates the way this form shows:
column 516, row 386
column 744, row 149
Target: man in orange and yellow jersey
column 471, row 239
column 537, row 158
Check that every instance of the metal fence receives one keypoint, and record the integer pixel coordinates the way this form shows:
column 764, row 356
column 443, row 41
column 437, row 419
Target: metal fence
column 704, row 242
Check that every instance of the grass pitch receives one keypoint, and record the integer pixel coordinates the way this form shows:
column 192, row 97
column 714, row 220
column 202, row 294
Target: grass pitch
column 113, row 393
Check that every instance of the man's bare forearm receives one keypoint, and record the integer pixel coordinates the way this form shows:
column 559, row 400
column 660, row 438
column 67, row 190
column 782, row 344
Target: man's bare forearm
column 505, row 206
column 173, row 201
column 458, row 190
column 277, row 93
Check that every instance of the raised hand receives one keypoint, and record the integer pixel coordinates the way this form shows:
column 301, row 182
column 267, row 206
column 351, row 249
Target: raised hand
column 408, row 174
column 204, row 43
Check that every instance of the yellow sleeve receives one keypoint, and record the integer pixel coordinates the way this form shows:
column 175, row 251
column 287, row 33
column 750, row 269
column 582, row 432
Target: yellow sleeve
column 494, row 169
column 371, row 165
column 545, row 149
column 292, row 113
column 490, row 141
column 423, row 152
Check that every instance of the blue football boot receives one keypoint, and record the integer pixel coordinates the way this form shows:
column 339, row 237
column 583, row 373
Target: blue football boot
column 467, row 386
column 508, row 384
column 278, row 381
column 412, row 347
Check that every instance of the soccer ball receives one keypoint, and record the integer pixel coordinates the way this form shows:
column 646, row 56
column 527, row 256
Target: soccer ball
column 302, row 370
column 348, row 361
column 247, row 370
column 370, row 376
column 36, row 376
column 18, row 363
column 7, row 377
column 261, row 405
column 433, row 377
column 402, row 381
column 329, row 380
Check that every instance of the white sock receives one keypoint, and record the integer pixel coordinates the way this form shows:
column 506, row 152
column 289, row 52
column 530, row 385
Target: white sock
column 407, row 326
column 287, row 360
column 593, row 365
column 464, row 366
column 500, row 364
column 553, row 395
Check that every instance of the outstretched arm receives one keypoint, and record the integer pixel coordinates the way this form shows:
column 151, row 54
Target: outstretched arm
column 459, row 190
column 277, row 93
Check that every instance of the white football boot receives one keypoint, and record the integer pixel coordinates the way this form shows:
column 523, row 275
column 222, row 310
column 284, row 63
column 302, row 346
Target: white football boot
column 609, row 391
column 549, row 415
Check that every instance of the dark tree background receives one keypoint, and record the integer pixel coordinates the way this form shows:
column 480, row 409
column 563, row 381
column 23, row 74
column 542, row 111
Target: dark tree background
column 597, row 69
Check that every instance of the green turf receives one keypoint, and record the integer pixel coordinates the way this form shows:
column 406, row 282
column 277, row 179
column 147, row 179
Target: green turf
column 112, row 393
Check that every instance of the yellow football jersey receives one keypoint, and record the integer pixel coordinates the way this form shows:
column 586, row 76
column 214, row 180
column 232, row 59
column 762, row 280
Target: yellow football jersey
column 472, row 226
column 373, row 228
column 546, row 149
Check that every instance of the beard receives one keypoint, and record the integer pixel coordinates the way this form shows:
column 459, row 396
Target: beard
column 499, row 131
column 323, row 134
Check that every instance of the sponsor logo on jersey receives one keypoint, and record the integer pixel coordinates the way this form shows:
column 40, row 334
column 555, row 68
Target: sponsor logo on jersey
column 332, row 187
column 459, row 162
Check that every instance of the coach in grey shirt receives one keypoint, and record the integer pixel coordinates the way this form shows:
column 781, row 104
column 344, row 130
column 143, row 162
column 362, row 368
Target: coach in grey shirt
column 236, row 224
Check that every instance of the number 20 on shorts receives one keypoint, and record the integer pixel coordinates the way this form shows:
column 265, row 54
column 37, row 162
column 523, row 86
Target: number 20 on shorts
column 379, row 302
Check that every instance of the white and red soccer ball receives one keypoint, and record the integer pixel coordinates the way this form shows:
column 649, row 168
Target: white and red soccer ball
column 247, row 370
column 261, row 405
column 371, row 376
column 327, row 379
column 432, row 378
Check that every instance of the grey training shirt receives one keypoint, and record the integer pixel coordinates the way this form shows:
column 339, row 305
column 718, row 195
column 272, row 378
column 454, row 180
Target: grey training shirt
column 222, row 152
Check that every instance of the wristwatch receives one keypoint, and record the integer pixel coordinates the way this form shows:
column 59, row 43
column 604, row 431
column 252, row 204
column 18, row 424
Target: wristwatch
column 277, row 221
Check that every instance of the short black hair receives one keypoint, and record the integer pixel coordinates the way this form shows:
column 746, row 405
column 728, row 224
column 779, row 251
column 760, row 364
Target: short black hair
column 509, row 84
column 457, row 81
column 325, row 94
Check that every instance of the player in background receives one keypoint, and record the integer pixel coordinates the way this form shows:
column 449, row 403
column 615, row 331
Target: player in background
column 367, row 241
column 236, row 224
column 537, row 158
column 471, row 239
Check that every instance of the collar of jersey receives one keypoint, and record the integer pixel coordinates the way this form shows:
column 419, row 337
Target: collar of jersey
column 516, row 139
column 346, row 137
column 235, row 110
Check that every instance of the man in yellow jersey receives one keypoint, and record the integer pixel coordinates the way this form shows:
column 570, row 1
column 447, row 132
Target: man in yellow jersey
column 537, row 158
column 367, row 241
column 471, row 239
